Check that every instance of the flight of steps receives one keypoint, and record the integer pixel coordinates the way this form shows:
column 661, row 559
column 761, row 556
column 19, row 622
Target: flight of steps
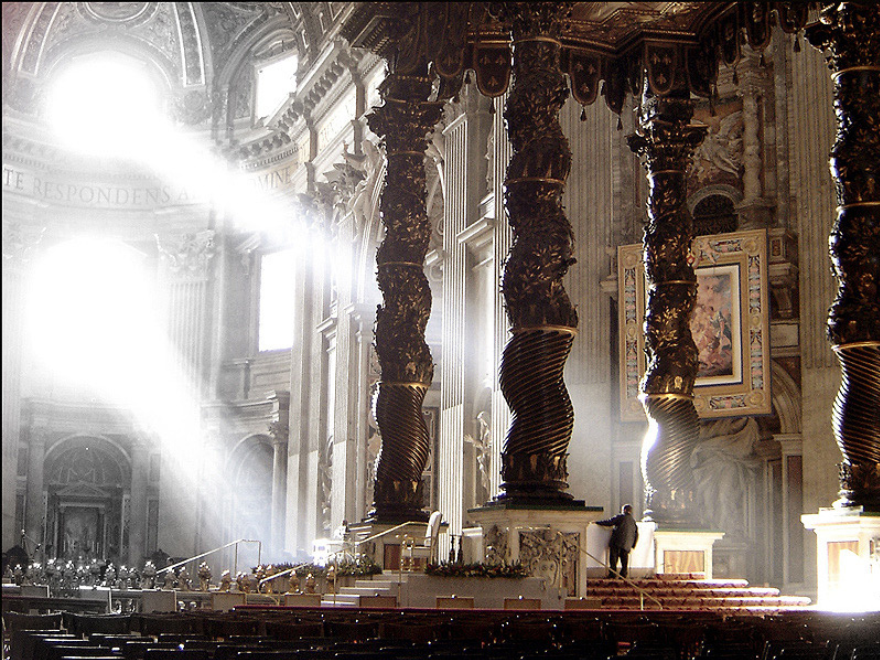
column 378, row 585
column 692, row 592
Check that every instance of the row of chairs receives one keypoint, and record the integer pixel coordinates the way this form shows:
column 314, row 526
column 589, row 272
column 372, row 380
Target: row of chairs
column 47, row 647
column 707, row 635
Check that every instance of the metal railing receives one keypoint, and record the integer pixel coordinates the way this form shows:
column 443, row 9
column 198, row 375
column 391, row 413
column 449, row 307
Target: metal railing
column 356, row 544
column 643, row 593
column 210, row 552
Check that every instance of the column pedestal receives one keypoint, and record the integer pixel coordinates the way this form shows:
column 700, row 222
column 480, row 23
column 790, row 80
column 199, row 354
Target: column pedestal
column 848, row 557
column 548, row 541
column 680, row 551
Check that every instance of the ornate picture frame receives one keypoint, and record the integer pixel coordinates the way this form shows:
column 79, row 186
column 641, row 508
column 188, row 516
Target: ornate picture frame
column 731, row 326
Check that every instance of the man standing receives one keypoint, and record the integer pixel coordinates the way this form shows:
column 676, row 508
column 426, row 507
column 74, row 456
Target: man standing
column 623, row 539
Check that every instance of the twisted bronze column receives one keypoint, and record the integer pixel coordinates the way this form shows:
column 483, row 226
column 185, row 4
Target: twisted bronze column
column 666, row 142
column 543, row 319
column 404, row 122
column 849, row 32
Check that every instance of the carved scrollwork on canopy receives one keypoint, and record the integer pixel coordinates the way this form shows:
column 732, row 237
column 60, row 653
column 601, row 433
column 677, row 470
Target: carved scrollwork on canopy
column 615, row 44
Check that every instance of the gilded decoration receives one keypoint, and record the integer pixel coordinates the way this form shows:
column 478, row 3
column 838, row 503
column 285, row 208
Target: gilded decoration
column 666, row 141
column 849, row 34
column 404, row 122
column 729, row 325
column 539, row 309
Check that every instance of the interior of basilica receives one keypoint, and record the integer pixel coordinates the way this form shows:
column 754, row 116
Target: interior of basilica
column 279, row 274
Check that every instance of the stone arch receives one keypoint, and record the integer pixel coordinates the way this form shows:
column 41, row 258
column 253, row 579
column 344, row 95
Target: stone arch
column 714, row 209
column 786, row 399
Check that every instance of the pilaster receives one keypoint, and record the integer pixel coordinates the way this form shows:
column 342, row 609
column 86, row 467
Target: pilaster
column 18, row 246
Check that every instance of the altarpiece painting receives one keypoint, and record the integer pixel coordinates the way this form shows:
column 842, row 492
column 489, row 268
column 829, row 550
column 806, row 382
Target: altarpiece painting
column 729, row 325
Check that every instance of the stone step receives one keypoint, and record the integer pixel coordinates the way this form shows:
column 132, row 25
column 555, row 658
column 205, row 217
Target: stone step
column 341, row 600
column 720, row 603
column 666, row 583
column 368, row 591
column 695, row 592
column 375, row 584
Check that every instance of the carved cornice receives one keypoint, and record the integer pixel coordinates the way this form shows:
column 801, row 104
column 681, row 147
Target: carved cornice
column 260, row 148
column 314, row 91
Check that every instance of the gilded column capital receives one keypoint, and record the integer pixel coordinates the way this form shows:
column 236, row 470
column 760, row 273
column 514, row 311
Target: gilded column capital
column 530, row 20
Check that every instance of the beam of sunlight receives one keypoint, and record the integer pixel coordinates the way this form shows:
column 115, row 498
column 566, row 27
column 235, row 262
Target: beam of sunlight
column 96, row 325
column 858, row 586
column 106, row 104
column 91, row 318
column 100, row 102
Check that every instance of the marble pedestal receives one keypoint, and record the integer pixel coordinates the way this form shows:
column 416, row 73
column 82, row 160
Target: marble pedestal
column 679, row 551
column 848, row 557
column 548, row 541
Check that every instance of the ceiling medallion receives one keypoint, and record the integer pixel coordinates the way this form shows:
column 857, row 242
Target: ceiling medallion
column 118, row 12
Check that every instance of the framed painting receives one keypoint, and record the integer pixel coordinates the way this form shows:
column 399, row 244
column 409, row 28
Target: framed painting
column 730, row 326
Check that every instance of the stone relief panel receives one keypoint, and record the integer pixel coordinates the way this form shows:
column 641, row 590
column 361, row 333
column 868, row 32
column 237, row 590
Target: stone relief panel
column 719, row 158
column 551, row 554
column 495, row 545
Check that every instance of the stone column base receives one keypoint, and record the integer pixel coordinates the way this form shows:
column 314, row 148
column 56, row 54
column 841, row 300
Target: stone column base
column 549, row 541
column 681, row 551
column 848, row 557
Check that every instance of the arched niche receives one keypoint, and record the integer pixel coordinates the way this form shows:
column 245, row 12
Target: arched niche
column 249, row 468
column 88, row 485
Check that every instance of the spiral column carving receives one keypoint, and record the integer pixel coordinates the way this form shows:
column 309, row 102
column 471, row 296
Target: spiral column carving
column 542, row 317
column 666, row 142
column 404, row 122
column 849, row 33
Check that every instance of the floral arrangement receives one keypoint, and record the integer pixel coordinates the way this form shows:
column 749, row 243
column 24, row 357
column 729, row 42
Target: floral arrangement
column 357, row 567
column 445, row 569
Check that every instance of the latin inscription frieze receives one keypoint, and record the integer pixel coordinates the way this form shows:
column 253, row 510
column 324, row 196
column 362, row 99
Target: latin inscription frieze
column 43, row 187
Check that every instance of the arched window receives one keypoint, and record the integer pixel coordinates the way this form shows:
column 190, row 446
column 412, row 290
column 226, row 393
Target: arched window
column 276, row 80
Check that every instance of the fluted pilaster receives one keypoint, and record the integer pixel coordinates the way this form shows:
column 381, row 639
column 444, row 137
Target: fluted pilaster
column 666, row 142
column 140, row 470
column 187, row 258
column 850, row 34
column 404, row 122
column 18, row 245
